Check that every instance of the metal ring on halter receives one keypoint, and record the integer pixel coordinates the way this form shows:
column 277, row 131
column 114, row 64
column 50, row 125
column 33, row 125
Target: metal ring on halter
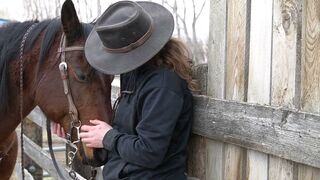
column 71, row 154
column 75, row 124
column 72, row 174
column 63, row 66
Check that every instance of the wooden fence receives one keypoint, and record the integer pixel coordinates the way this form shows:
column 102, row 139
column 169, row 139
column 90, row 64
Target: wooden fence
column 264, row 69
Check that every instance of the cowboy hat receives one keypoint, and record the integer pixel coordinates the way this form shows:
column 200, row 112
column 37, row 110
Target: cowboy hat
column 127, row 35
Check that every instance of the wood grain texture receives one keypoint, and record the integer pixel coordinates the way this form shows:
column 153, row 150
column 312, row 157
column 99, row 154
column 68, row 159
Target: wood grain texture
column 217, row 48
column 282, row 132
column 310, row 98
column 310, row 58
column 259, row 75
column 200, row 73
column 34, row 132
column 280, row 169
column 216, row 80
column 234, row 156
column 284, row 56
column 236, row 49
column 308, row 173
column 197, row 157
column 260, row 51
column 286, row 14
column 257, row 168
column 215, row 163
column 234, row 162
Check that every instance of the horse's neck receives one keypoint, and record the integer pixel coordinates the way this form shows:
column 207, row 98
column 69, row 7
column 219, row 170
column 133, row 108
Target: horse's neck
column 11, row 118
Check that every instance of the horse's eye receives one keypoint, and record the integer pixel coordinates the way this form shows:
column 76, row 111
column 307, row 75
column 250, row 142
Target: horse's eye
column 81, row 76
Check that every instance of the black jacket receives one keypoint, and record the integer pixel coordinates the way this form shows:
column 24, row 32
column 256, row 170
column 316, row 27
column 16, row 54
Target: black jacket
column 151, row 128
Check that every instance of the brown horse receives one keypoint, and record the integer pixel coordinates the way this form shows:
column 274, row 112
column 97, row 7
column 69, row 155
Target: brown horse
column 42, row 83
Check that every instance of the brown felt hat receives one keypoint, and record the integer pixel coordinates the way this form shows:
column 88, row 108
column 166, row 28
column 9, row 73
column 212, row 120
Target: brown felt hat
column 127, row 35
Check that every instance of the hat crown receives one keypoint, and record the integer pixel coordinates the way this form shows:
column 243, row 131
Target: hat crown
column 124, row 26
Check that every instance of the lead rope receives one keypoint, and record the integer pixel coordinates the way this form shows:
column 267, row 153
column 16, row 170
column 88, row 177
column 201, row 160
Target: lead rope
column 21, row 94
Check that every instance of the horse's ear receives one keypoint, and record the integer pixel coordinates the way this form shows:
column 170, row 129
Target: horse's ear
column 70, row 22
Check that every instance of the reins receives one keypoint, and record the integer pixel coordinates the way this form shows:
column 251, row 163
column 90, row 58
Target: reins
column 22, row 45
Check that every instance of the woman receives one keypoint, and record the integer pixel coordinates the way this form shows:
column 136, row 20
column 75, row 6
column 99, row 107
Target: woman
column 152, row 117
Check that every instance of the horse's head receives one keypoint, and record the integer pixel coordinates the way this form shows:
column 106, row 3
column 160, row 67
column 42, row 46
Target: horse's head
column 89, row 90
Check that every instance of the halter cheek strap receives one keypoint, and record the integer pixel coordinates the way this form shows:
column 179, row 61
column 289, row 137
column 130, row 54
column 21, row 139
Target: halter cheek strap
column 73, row 112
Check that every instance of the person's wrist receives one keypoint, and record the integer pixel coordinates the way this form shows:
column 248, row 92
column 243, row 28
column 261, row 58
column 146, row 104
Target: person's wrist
column 109, row 139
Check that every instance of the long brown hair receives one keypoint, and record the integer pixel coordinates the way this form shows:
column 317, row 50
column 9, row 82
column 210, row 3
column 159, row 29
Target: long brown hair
column 176, row 56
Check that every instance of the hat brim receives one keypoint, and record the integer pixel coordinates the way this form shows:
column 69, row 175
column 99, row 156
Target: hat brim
column 118, row 63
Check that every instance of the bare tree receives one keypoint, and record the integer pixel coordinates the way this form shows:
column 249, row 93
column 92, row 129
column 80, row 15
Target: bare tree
column 99, row 7
column 196, row 45
column 58, row 8
column 28, row 8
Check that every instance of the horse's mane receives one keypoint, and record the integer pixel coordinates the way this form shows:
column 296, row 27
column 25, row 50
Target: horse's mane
column 10, row 39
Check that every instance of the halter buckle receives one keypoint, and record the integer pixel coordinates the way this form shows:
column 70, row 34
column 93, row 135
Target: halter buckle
column 63, row 66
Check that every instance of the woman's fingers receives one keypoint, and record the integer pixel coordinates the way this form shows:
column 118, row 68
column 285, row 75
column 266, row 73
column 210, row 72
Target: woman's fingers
column 86, row 128
column 85, row 135
column 96, row 122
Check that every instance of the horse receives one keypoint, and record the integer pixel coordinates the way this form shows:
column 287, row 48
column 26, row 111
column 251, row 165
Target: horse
column 44, row 85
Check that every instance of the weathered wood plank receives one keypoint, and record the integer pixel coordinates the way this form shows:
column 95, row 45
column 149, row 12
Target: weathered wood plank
column 280, row 169
column 234, row 162
column 285, row 65
column 43, row 159
column 257, row 167
column 215, row 160
column 216, row 80
column 310, row 57
column 236, row 79
column 308, row 173
column 284, row 57
column 259, row 75
column 217, row 48
column 34, row 132
column 197, row 157
column 310, row 98
column 260, row 51
column 236, row 50
column 37, row 116
column 285, row 133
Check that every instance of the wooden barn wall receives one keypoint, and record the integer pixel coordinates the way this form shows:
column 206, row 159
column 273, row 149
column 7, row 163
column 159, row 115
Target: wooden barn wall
column 264, row 52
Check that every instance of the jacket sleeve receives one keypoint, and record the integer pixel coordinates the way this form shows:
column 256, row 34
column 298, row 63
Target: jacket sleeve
column 160, row 112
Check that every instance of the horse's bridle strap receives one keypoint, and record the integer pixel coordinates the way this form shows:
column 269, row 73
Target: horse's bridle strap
column 73, row 112
column 72, row 48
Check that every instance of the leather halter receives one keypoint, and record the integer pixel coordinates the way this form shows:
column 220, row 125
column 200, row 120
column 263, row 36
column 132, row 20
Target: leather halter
column 73, row 112
column 63, row 67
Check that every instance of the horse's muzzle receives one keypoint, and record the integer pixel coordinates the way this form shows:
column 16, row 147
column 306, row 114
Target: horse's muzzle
column 100, row 158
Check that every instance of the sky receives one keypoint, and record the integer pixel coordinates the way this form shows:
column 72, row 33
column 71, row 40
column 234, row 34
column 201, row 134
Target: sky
column 13, row 9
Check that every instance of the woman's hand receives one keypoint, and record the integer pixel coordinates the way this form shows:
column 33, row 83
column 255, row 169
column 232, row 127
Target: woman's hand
column 93, row 135
column 58, row 130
